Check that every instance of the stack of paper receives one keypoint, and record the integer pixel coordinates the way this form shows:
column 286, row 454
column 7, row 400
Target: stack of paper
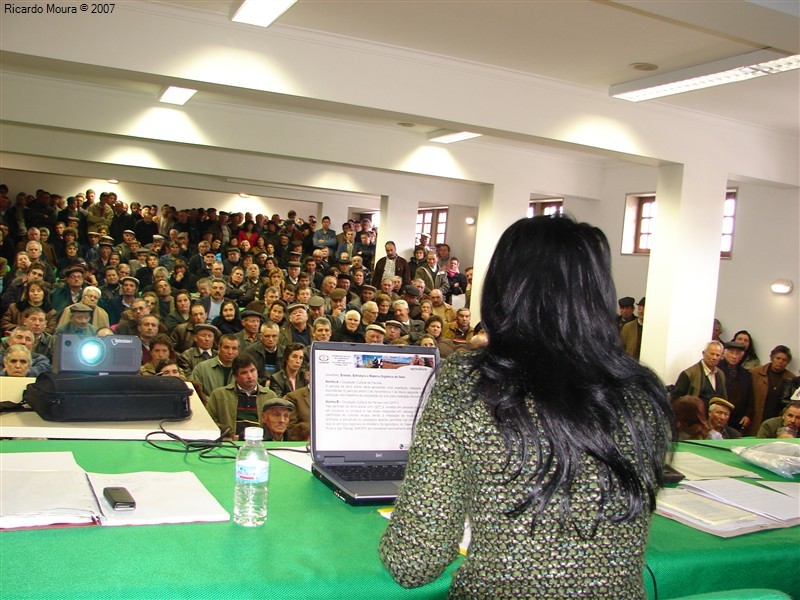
column 696, row 467
column 50, row 489
column 728, row 507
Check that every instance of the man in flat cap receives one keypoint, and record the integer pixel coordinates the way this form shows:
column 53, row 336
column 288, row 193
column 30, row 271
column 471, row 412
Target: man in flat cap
column 78, row 324
column 204, row 339
column 719, row 412
column 252, row 322
column 374, row 334
column 738, row 384
column 625, row 311
column 296, row 329
column 70, row 292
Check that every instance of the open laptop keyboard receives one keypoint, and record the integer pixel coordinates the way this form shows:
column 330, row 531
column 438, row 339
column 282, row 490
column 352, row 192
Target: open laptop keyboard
column 368, row 472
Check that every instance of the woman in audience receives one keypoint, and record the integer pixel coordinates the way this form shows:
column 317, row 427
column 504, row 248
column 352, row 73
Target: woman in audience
column 248, row 233
column 750, row 359
column 690, row 419
column 503, row 443
column 433, row 327
column 426, row 340
column 292, row 376
column 16, row 361
column 350, row 329
column 384, row 303
column 183, row 305
column 425, row 309
column 161, row 348
column 228, row 320
column 276, row 279
column 36, row 293
column 151, row 300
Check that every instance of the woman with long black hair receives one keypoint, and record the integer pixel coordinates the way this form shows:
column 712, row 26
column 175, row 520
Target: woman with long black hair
column 550, row 440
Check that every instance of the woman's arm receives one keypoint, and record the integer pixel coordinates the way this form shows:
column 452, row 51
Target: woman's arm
column 428, row 520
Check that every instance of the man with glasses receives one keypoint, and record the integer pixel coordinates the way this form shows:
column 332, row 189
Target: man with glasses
column 70, row 292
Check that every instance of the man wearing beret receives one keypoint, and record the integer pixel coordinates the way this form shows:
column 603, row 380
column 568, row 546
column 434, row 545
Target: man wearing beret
column 78, row 324
column 252, row 321
column 719, row 412
column 205, row 337
column 70, row 292
column 296, row 329
column 239, row 403
column 275, row 416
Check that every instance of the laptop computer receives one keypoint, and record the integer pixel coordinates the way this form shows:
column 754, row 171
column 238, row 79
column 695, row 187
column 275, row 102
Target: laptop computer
column 364, row 402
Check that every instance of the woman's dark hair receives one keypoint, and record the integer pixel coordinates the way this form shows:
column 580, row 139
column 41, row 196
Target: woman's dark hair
column 548, row 308
column 293, row 347
column 750, row 353
column 25, row 301
column 434, row 319
column 781, row 349
column 690, row 417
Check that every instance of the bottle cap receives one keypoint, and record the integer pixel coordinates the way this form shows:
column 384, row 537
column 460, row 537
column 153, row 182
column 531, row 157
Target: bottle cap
column 255, row 434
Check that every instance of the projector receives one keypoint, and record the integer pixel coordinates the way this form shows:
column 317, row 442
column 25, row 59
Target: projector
column 97, row 355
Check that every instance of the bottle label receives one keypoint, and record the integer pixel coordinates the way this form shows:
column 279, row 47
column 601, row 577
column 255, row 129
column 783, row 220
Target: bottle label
column 252, row 472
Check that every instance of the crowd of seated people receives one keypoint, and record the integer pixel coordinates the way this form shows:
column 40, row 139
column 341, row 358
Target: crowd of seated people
column 201, row 287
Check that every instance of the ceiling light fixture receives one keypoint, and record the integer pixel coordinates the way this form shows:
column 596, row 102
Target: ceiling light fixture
column 448, row 136
column 113, row 181
column 718, row 72
column 177, row 95
column 261, row 12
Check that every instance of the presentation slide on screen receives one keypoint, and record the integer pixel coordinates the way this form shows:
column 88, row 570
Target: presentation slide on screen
column 367, row 400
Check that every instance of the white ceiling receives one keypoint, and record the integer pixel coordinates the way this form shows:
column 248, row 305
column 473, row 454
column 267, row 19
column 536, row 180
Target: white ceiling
column 583, row 42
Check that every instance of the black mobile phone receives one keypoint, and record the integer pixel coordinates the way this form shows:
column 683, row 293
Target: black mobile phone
column 119, row 498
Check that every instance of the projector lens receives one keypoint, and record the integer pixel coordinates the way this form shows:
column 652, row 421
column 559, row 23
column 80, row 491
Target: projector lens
column 91, row 353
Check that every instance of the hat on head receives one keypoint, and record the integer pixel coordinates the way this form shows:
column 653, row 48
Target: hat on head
column 130, row 278
column 369, row 288
column 80, row 307
column 142, row 250
column 277, row 402
column 74, row 268
column 93, row 233
column 294, row 307
column 734, row 346
column 412, row 290
column 626, row 301
column 375, row 327
column 344, row 276
column 295, row 263
column 110, row 244
column 207, row 327
column 131, row 231
column 345, row 261
column 233, row 249
column 158, row 236
column 316, row 302
column 721, row 401
column 398, row 324
column 338, row 294
column 251, row 313
column 640, row 302
column 71, row 218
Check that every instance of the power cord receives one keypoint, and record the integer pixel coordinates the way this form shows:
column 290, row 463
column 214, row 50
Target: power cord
column 206, row 449
column 653, row 579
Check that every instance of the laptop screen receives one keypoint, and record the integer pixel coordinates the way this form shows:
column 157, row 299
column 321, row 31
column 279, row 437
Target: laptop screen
column 365, row 396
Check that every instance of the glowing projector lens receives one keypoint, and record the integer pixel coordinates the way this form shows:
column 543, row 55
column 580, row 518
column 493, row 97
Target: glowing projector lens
column 91, row 352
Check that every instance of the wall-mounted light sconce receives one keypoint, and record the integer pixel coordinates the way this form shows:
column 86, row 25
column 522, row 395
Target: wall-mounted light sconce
column 470, row 220
column 782, row 286
column 113, row 181
column 243, row 195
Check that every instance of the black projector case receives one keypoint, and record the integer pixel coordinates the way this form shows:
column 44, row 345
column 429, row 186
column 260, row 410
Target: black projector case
column 90, row 398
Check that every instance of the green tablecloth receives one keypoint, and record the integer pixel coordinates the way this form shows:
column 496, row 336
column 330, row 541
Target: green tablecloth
column 313, row 545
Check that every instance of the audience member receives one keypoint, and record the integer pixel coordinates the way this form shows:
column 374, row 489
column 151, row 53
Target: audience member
column 768, row 381
column 787, row 425
column 719, row 413
column 631, row 333
column 16, row 361
column 216, row 372
column 738, row 384
column 703, row 379
column 292, row 375
column 625, row 311
column 750, row 359
column 690, row 419
column 80, row 315
column 275, row 415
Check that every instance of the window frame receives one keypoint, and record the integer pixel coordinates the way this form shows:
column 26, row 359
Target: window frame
column 436, row 229
column 545, row 207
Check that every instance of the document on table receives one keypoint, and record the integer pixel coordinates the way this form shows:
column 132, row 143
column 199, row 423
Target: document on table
column 697, row 468
column 753, row 498
column 41, row 489
column 161, row 498
column 788, row 488
column 292, row 456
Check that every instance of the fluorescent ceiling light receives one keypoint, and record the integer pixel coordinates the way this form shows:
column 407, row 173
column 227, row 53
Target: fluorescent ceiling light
column 177, row 95
column 446, row 136
column 719, row 72
column 261, row 12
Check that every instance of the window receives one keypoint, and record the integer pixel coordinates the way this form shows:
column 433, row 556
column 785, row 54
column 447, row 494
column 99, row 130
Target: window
column 641, row 213
column 433, row 223
column 546, row 206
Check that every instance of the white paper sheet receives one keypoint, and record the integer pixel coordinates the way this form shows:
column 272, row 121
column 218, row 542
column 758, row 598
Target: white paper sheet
column 160, row 498
column 789, row 488
column 750, row 497
column 298, row 459
column 38, row 461
column 697, row 468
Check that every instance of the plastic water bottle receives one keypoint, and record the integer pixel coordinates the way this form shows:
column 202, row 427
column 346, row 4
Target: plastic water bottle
column 252, row 480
